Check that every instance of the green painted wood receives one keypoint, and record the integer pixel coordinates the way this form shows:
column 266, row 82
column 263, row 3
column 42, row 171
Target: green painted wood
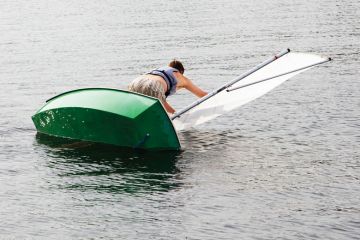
column 108, row 116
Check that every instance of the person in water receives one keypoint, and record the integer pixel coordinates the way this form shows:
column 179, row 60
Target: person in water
column 164, row 82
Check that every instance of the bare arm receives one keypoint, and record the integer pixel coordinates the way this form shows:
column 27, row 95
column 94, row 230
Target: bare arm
column 168, row 108
column 189, row 85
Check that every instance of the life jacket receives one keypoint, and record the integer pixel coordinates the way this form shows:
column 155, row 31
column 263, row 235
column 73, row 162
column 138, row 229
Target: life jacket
column 167, row 73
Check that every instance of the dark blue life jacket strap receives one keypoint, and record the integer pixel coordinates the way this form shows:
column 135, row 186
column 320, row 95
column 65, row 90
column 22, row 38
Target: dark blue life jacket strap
column 168, row 82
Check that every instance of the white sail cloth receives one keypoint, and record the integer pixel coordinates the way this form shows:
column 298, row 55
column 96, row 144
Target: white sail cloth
column 225, row 101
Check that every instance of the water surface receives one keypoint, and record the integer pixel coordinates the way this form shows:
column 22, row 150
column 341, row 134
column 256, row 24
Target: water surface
column 285, row 166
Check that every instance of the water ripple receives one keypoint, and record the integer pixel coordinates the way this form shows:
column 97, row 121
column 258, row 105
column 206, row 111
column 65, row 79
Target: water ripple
column 284, row 166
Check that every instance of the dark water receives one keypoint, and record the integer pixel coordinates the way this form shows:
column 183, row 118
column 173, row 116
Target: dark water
column 285, row 166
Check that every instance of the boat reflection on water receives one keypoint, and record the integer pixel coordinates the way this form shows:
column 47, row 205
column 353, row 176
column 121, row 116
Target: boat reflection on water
column 91, row 166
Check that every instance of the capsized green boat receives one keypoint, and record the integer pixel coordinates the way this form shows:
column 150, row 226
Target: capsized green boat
column 110, row 116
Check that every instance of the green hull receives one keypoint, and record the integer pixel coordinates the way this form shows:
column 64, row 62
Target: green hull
column 108, row 116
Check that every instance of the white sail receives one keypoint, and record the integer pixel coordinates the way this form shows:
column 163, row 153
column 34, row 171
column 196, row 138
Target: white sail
column 226, row 101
